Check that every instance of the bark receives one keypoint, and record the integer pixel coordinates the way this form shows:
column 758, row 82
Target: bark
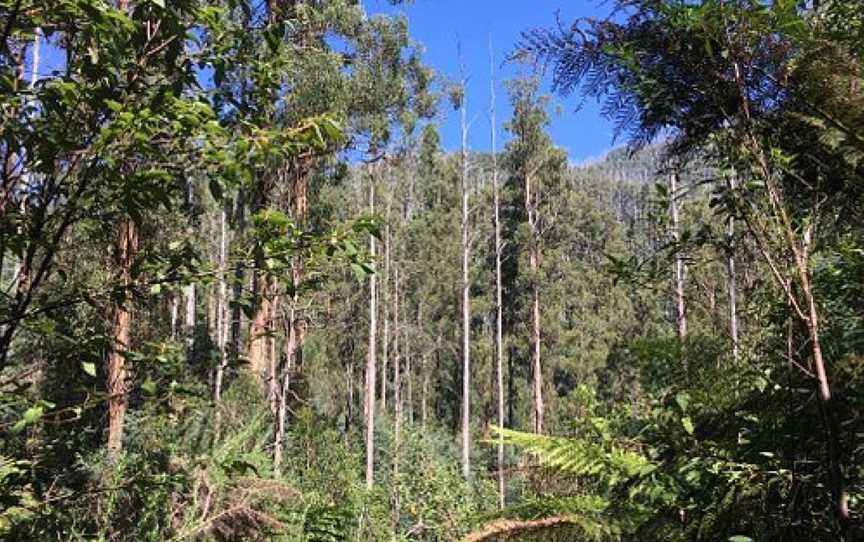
column 385, row 343
column 125, row 247
column 258, row 351
column 284, row 390
column 369, row 403
column 679, row 268
column 239, row 220
column 731, row 285
column 397, row 398
column 466, row 301
column 175, row 312
column 189, row 323
column 826, row 400
column 221, row 311
column 534, row 265
column 499, row 306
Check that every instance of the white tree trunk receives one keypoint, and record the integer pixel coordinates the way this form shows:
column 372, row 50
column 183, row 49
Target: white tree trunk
column 466, row 301
column 731, row 286
column 369, row 404
column 221, row 310
column 679, row 267
column 499, row 306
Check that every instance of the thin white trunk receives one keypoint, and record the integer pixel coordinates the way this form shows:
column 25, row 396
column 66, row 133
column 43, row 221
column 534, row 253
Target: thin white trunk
column 499, row 363
column 283, row 390
column 385, row 343
column 221, row 311
column 466, row 301
column 189, row 322
column 679, row 268
column 534, row 265
column 397, row 397
column 189, row 331
column 731, row 283
column 369, row 404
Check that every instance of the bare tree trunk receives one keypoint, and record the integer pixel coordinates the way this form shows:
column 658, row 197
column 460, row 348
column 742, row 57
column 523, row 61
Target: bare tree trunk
column 397, row 398
column 534, row 265
column 466, row 301
column 284, row 382
column 410, row 352
column 126, row 245
column 731, row 282
column 237, row 324
column 679, row 269
column 499, row 305
column 258, row 352
column 385, row 343
column 221, row 311
column 424, row 389
column 273, row 380
column 189, row 322
column 539, row 406
column 826, row 401
column 369, row 404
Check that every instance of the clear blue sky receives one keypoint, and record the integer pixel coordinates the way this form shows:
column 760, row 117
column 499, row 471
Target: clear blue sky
column 437, row 24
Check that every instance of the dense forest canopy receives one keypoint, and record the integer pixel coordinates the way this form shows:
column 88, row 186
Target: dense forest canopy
column 246, row 293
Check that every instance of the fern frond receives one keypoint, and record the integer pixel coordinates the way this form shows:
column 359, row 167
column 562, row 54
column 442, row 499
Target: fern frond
column 581, row 457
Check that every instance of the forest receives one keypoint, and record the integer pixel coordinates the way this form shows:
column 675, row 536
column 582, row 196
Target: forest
column 247, row 292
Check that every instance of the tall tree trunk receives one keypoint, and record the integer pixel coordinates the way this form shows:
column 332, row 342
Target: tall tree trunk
column 284, row 391
column 731, row 285
column 125, row 247
column 410, row 352
column 534, row 265
column 679, row 268
column 466, row 301
column 237, row 324
column 385, row 342
column 296, row 388
column 258, row 350
column 369, row 403
column 221, row 310
column 499, row 305
column 189, row 322
column 397, row 398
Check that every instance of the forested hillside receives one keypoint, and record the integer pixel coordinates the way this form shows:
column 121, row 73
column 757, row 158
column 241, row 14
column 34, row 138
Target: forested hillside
column 248, row 293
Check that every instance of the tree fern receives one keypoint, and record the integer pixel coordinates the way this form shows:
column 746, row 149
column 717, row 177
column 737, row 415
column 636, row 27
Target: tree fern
column 618, row 475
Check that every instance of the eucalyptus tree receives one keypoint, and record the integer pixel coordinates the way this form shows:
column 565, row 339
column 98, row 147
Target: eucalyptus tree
column 534, row 164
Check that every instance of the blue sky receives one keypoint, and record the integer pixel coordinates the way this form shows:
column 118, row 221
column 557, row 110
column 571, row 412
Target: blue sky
column 437, row 24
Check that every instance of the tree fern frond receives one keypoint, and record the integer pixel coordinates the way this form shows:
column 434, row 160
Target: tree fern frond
column 581, row 457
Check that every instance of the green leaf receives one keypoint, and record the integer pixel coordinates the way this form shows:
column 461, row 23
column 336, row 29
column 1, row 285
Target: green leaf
column 359, row 271
column 688, row 425
column 149, row 387
column 740, row 538
column 683, row 400
column 89, row 368
column 31, row 415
